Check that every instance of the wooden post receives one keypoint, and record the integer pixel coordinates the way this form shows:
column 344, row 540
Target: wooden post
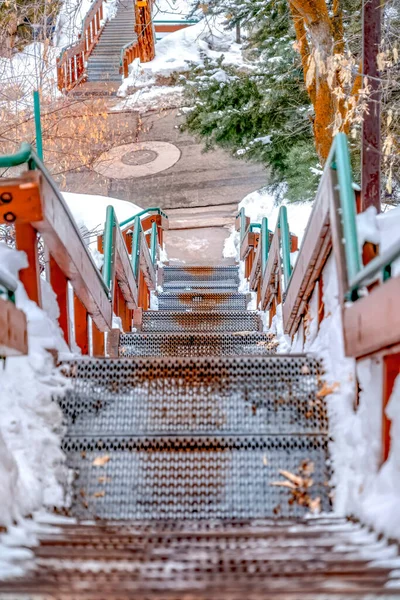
column 26, row 240
column 123, row 311
column 59, row 283
column 81, row 326
column 98, row 341
column 371, row 129
column 391, row 368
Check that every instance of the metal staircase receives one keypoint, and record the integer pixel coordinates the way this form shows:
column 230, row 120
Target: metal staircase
column 177, row 447
column 105, row 61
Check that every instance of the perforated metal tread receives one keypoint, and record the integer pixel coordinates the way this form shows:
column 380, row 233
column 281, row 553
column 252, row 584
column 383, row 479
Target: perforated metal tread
column 194, row 438
column 201, row 273
column 196, row 301
column 225, row 286
column 217, row 321
column 315, row 559
column 196, row 344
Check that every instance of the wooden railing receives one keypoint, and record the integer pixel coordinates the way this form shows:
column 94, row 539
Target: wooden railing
column 128, row 54
column 71, row 64
column 13, row 324
column 370, row 314
column 35, row 206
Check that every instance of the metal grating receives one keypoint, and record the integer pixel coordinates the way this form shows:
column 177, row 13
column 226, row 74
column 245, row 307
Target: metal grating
column 205, row 274
column 275, row 394
column 189, row 301
column 225, row 286
column 193, row 438
column 196, row 344
column 228, row 321
column 192, row 478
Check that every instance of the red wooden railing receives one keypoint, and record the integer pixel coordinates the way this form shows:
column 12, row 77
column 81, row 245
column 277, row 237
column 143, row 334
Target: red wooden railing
column 35, row 206
column 71, row 63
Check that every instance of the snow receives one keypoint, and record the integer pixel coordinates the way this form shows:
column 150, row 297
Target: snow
column 32, row 467
column 151, row 98
column 89, row 211
column 175, row 51
column 261, row 204
column 171, row 10
column 362, row 486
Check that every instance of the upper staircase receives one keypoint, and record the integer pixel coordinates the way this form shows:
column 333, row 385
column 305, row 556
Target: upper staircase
column 105, row 61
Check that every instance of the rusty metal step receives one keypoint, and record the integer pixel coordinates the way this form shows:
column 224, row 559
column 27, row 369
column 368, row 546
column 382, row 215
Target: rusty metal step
column 197, row 344
column 199, row 301
column 194, row 438
column 314, row 559
column 192, row 277
column 216, row 321
column 224, row 286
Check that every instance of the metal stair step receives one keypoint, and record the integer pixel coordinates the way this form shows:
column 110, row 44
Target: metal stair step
column 194, row 438
column 189, row 301
column 197, row 344
column 201, row 273
column 212, row 286
column 217, row 321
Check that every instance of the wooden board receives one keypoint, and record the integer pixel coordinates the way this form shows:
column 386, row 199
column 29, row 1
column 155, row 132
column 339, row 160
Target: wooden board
column 63, row 240
column 313, row 253
column 20, row 199
column 124, row 272
column 372, row 323
column 145, row 264
column 13, row 330
column 249, row 242
column 255, row 275
column 268, row 289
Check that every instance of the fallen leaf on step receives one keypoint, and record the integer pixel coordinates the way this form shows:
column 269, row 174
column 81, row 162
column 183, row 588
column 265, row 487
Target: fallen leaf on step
column 287, row 484
column 82, row 493
column 296, row 479
column 305, row 369
column 104, row 479
column 100, row 461
column 265, row 461
column 327, row 389
column 83, row 454
column 99, row 494
column 242, row 332
column 315, row 505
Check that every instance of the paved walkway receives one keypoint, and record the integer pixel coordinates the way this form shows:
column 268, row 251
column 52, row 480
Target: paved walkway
column 151, row 163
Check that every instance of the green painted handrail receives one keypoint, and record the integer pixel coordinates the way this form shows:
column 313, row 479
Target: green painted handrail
column 136, row 247
column 340, row 154
column 23, row 155
column 140, row 214
column 381, row 263
column 153, row 243
column 285, row 241
column 108, row 246
column 254, row 226
column 264, row 244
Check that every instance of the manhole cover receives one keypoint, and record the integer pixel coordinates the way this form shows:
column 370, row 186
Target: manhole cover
column 139, row 157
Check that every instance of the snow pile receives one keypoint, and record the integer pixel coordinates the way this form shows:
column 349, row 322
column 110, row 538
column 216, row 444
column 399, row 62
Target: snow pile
column 151, row 98
column 89, row 211
column 174, row 52
column 261, row 204
column 362, row 487
column 32, row 470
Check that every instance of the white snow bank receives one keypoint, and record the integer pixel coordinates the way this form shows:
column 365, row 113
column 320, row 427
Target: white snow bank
column 89, row 211
column 261, row 204
column 362, row 486
column 151, row 98
column 173, row 53
column 32, row 470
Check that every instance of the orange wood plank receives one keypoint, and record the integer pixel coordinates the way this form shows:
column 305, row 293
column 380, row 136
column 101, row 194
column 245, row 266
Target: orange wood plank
column 63, row 240
column 372, row 323
column 26, row 240
column 20, row 198
column 98, row 341
column 391, row 369
column 13, row 330
column 59, row 284
column 81, row 326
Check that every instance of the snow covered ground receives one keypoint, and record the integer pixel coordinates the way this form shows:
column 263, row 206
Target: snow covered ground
column 362, row 487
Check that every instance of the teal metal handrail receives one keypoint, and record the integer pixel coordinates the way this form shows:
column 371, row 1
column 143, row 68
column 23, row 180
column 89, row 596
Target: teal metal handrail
column 136, row 238
column 254, row 226
column 108, row 246
column 153, row 243
column 264, row 244
column 26, row 154
column 381, row 263
column 132, row 219
column 8, row 287
column 285, row 242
